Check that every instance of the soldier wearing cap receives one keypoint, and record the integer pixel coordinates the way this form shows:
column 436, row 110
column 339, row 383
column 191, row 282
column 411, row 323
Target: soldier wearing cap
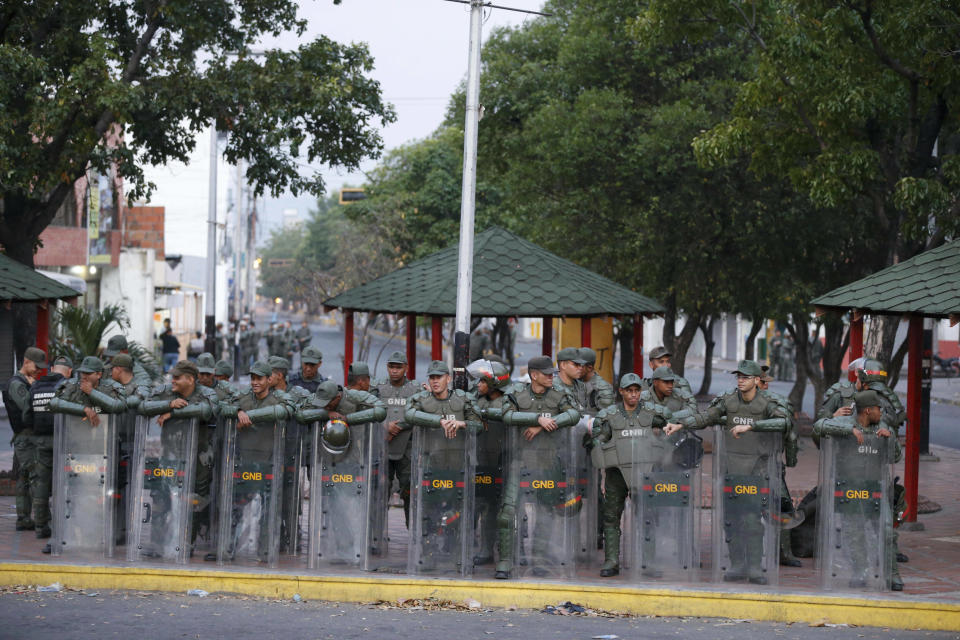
column 16, row 399
column 91, row 395
column 358, row 376
column 664, row 393
column 39, row 420
column 121, row 372
column 440, row 406
column 791, row 448
column 184, row 398
column 118, row 344
column 333, row 402
column 309, row 376
column 870, row 375
column 258, row 404
column 304, row 336
column 278, row 381
column 741, row 412
column 660, row 357
column 491, row 400
column 536, row 407
column 569, row 374
column 788, row 364
column 626, row 419
column 395, row 391
column 865, row 422
column 600, row 393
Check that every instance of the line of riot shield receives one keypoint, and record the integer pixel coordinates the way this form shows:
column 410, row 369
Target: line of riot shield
column 746, row 507
column 441, row 502
column 488, row 484
column 661, row 538
column 206, row 517
column 292, row 498
column 588, row 489
column 543, row 473
column 348, row 493
column 854, row 514
column 162, row 490
column 126, row 437
column 251, row 492
column 84, row 486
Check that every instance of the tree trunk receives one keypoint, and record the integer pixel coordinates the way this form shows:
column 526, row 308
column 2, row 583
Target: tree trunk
column 755, row 328
column 706, row 328
column 625, row 339
column 670, row 324
column 682, row 343
column 881, row 338
column 798, row 329
column 896, row 363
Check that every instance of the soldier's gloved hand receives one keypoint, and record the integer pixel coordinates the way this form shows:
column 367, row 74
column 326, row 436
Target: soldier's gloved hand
column 588, row 441
column 672, row 428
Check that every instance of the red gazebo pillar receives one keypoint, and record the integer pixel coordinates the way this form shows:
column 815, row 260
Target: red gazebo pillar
column 585, row 331
column 911, row 463
column 638, row 344
column 43, row 326
column 436, row 338
column 856, row 340
column 411, row 346
column 547, row 347
column 347, row 341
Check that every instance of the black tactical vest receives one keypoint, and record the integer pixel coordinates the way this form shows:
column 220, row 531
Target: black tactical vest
column 41, row 393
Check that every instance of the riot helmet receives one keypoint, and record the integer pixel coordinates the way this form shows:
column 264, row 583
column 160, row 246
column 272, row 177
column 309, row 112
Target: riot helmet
column 335, row 438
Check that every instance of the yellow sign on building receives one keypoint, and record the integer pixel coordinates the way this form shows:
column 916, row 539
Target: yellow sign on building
column 568, row 334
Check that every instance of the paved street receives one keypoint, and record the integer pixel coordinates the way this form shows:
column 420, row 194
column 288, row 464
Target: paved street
column 79, row 616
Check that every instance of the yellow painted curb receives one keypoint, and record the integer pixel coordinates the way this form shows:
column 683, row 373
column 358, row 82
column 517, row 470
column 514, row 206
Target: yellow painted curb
column 876, row 612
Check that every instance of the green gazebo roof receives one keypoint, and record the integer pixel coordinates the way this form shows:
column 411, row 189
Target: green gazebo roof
column 511, row 277
column 20, row 283
column 926, row 284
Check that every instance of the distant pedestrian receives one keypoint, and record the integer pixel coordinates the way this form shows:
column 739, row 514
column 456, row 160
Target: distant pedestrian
column 171, row 349
column 195, row 348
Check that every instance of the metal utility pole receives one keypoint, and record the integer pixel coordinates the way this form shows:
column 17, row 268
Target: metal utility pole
column 210, row 324
column 238, row 224
column 461, row 337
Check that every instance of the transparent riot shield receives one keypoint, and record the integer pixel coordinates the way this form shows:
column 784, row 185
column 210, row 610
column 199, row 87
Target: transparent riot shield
column 488, row 484
column 162, row 490
column 441, row 502
column 126, row 436
column 251, row 494
column 661, row 539
column 588, row 489
column 292, row 499
column 746, row 507
column 348, row 495
column 543, row 476
column 854, row 515
column 206, row 512
column 84, row 483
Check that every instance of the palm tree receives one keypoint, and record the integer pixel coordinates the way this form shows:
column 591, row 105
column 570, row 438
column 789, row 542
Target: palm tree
column 80, row 332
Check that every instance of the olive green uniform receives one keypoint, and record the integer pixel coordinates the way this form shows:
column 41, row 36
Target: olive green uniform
column 39, row 419
column 489, row 472
column 17, row 400
column 398, row 449
column 523, row 409
column 861, row 462
column 600, row 394
column 614, row 424
column 744, row 456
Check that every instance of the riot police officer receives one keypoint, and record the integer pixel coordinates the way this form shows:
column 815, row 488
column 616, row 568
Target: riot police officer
column 569, row 376
column 16, row 399
column 868, row 443
column 664, row 393
column 661, row 357
column 39, row 420
column 749, row 457
column 642, row 428
column 308, row 377
column 395, row 391
column 358, row 376
column 492, row 379
column 539, row 408
column 600, row 394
